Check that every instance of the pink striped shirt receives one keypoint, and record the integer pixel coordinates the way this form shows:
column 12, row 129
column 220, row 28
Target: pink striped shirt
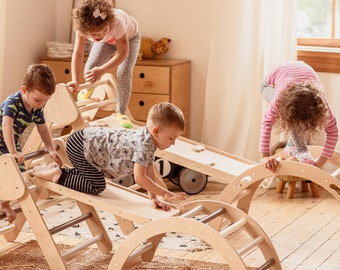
column 295, row 71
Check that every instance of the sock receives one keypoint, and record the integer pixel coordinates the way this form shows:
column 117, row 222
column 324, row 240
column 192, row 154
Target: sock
column 123, row 120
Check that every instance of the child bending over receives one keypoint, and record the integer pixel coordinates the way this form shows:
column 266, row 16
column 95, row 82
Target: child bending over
column 21, row 109
column 116, row 42
column 98, row 152
column 298, row 105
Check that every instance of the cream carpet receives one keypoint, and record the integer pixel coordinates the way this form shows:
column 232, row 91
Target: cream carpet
column 28, row 256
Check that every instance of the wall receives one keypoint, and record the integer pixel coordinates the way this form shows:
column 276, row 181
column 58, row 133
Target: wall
column 25, row 27
column 3, row 5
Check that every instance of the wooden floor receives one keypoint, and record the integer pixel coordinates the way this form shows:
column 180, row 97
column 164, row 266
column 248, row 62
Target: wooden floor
column 304, row 230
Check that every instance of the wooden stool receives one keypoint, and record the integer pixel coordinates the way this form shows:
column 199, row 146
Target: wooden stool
column 291, row 180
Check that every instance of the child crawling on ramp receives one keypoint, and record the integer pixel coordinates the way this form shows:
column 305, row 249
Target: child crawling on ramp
column 99, row 152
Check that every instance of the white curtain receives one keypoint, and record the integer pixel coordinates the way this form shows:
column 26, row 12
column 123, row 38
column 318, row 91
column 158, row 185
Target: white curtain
column 250, row 37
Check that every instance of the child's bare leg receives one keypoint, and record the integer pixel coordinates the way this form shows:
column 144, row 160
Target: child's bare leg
column 8, row 211
column 49, row 172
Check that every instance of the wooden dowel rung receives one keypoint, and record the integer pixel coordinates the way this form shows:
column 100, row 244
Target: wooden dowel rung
column 267, row 264
column 92, row 85
column 139, row 251
column 213, row 215
column 8, row 228
column 335, row 173
column 233, row 227
column 70, row 223
column 96, row 105
column 86, row 101
column 82, row 245
column 38, row 153
column 192, row 212
column 250, row 246
column 32, row 188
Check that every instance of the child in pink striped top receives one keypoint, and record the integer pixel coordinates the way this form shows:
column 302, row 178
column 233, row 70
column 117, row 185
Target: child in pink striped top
column 298, row 106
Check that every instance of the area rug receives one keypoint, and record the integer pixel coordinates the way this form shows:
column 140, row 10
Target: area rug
column 28, row 256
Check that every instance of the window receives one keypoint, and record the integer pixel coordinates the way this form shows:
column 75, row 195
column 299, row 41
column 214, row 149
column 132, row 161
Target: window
column 318, row 31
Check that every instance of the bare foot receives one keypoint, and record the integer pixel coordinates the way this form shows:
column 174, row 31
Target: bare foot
column 8, row 211
column 50, row 172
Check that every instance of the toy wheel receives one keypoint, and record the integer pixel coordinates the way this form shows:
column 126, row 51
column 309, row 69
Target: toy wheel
column 125, row 181
column 192, row 182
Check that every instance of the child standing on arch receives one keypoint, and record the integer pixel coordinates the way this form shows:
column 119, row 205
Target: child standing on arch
column 21, row 109
column 116, row 41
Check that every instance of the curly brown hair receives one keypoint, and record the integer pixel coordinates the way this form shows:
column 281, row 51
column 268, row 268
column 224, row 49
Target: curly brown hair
column 302, row 106
column 85, row 20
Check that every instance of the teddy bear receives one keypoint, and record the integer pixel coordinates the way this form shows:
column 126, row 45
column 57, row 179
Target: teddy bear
column 150, row 49
column 145, row 48
column 161, row 46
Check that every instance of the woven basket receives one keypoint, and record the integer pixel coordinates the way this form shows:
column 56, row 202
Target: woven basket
column 59, row 49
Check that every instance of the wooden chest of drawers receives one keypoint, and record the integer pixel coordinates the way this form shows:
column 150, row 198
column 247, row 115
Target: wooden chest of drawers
column 161, row 80
column 153, row 81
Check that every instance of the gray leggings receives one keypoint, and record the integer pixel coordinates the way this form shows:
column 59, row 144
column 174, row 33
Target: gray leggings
column 296, row 139
column 102, row 52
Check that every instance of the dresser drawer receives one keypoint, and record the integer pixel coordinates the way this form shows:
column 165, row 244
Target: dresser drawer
column 62, row 70
column 151, row 79
column 141, row 103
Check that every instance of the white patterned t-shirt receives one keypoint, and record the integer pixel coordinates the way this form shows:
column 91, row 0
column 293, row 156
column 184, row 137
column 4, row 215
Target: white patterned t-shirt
column 115, row 151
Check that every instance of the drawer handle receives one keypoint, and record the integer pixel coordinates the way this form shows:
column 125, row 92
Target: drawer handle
column 141, row 75
column 67, row 71
column 141, row 103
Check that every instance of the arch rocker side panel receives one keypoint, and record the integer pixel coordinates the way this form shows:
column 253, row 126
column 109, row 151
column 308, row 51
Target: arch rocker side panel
column 145, row 239
column 242, row 188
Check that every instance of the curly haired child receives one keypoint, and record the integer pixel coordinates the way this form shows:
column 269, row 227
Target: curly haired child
column 96, row 152
column 116, row 41
column 298, row 106
column 20, row 110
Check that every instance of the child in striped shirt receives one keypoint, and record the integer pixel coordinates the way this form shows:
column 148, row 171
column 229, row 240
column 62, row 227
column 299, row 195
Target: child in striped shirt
column 298, row 105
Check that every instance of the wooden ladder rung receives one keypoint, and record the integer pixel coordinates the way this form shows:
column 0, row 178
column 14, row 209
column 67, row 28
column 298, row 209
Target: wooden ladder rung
column 335, row 173
column 70, row 223
column 250, row 246
column 8, row 228
column 213, row 215
column 192, row 212
column 82, row 246
column 93, row 85
column 97, row 105
column 233, row 227
column 267, row 264
column 139, row 251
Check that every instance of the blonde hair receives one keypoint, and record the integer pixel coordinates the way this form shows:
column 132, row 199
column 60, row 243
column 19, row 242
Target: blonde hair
column 165, row 114
column 302, row 106
column 92, row 15
column 40, row 77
